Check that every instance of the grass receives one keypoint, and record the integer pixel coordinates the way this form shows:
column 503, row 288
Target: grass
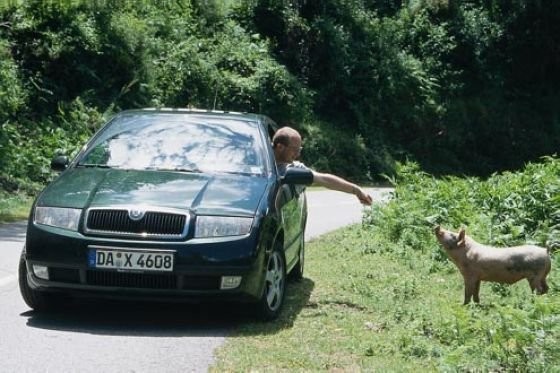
column 360, row 308
column 382, row 296
column 14, row 206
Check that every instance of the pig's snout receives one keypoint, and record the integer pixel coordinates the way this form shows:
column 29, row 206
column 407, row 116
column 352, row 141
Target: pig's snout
column 437, row 230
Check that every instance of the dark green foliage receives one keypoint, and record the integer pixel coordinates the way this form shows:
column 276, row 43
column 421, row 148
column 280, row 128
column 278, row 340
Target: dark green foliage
column 12, row 93
column 30, row 148
column 63, row 64
column 344, row 153
column 510, row 330
column 455, row 85
column 460, row 87
column 67, row 51
column 504, row 210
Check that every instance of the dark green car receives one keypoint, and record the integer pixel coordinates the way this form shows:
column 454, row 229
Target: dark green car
column 169, row 204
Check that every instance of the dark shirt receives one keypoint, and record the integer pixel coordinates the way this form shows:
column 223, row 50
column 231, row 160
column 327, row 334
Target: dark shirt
column 282, row 167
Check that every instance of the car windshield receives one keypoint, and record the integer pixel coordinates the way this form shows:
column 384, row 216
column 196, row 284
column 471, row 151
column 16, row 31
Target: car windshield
column 180, row 142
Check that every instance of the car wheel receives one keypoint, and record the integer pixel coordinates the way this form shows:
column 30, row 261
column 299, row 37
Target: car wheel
column 296, row 273
column 34, row 299
column 272, row 298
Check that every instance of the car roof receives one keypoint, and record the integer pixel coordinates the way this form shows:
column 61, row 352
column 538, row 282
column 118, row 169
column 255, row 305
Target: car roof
column 214, row 113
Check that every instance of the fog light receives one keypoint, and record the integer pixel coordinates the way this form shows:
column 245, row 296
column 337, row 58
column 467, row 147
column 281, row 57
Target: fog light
column 41, row 271
column 230, row 282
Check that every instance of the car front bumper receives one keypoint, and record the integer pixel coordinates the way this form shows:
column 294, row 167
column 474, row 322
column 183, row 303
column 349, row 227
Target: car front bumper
column 202, row 267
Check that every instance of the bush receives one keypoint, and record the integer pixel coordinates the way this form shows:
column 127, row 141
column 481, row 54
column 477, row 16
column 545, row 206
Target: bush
column 510, row 331
column 441, row 83
column 12, row 93
column 505, row 209
column 330, row 149
column 30, row 146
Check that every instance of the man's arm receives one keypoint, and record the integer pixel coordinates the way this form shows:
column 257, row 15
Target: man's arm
column 337, row 183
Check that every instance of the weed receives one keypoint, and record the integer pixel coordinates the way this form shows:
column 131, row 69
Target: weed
column 385, row 297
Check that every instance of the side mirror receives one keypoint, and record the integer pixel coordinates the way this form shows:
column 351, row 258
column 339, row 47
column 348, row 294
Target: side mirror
column 298, row 176
column 59, row 163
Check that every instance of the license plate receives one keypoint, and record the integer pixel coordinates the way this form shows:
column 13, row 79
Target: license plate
column 133, row 260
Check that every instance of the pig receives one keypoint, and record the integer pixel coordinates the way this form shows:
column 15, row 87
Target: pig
column 478, row 262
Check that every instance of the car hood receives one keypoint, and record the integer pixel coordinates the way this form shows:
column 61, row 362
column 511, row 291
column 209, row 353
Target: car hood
column 201, row 193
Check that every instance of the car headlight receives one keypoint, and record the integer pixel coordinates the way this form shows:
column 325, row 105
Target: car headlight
column 219, row 226
column 58, row 217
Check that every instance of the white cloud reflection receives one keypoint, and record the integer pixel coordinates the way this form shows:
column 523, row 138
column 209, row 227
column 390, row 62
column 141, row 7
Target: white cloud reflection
column 192, row 143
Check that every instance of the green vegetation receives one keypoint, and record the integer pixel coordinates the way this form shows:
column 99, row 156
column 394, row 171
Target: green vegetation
column 450, row 85
column 14, row 206
column 464, row 88
column 506, row 208
column 382, row 296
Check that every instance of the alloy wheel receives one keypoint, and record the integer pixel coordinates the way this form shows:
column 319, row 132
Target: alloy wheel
column 275, row 281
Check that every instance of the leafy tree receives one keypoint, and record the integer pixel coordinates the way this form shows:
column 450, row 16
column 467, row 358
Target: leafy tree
column 461, row 87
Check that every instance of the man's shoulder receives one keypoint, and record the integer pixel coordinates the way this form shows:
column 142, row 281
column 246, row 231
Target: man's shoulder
column 298, row 164
column 282, row 167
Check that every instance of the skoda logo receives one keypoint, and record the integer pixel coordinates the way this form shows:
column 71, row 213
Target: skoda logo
column 136, row 214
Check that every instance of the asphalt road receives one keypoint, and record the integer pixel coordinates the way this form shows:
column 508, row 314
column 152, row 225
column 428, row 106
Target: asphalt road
column 90, row 336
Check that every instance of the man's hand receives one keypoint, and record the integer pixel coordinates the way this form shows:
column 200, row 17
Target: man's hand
column 337, row 183
column 364, row 198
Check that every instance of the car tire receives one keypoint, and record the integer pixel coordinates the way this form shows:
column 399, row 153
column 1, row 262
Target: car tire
column 36, row 300
column 272, row 299
column 296, row 274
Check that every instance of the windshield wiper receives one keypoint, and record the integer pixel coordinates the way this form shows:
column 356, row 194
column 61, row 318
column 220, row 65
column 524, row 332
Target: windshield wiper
column 176, row 169
column 189, row 170
column 94, row 165
column 242, row 173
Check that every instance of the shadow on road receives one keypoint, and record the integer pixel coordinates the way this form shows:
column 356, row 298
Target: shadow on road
column 13, row 232
column 132, row 318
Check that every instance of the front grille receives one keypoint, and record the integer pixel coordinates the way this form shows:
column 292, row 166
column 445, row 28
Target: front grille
column 64, row 275
column 153, row 223
column 151, row 281
column 131, row 280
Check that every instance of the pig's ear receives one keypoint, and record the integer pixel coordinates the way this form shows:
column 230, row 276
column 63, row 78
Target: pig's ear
column 461, row 238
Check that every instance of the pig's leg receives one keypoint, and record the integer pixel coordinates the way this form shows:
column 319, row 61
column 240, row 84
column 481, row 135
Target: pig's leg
column 470, row 290
column 535, row 284
column 476, row 292
column 544, row 286
column 540, row 285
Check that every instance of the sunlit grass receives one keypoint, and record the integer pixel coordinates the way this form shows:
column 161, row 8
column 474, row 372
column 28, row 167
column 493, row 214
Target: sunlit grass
column 382, row 296
column 14, row 207
column 362, row 310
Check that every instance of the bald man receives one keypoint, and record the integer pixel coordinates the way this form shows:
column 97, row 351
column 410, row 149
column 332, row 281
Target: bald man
column 287, row 148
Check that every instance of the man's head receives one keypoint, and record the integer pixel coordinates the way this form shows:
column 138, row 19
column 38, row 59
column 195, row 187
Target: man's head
column 287, row 145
